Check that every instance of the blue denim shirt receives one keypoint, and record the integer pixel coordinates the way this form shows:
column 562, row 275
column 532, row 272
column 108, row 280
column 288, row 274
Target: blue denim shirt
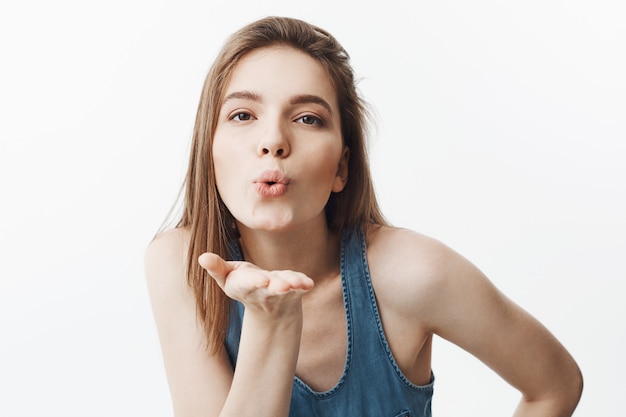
column 372, row 384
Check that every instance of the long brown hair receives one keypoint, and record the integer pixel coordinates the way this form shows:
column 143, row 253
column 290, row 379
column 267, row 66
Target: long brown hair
column 204, row 212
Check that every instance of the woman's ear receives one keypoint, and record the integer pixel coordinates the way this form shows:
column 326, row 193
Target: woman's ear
column 342, row 171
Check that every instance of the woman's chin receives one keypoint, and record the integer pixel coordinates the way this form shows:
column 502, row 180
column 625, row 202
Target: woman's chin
column 280, row 221
column 269, row 225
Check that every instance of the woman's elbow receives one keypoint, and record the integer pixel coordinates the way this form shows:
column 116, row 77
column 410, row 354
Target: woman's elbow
column 576, row 385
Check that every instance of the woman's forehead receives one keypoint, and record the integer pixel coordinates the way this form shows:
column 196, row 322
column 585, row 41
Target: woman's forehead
column 279, row 73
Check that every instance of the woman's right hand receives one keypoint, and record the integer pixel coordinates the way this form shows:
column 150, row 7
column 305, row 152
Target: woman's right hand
column 272, row 292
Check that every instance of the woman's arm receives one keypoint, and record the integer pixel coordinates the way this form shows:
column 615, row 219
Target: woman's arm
column 270, row 335
column 201, row 383
column 430, row 286
column 469, row 311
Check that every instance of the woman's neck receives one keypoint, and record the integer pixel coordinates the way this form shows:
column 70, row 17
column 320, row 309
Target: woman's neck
column 312, row 251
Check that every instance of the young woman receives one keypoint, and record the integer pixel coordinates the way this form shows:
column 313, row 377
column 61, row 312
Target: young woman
column 280, row 221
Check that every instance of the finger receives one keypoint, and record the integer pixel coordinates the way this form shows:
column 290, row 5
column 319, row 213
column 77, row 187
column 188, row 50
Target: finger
column 305, row 283
column 279, row 286
column 215, row 266
column 285, row 281
column 299, row 281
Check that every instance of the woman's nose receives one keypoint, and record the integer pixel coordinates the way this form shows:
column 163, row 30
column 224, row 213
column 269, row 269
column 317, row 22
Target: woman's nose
column 275, row 142
column 276, row 151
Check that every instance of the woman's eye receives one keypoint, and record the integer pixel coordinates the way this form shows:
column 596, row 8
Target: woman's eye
column 241, row 117
column 310, row 120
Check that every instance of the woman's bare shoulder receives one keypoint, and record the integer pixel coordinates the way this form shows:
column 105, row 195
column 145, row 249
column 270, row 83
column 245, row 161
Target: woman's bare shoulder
column 408, row 267
column 175, row 239
column 166, row 257
column 404, row 249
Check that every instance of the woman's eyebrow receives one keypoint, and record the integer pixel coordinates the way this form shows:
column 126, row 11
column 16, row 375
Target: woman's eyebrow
column 243, row 95
column 310, row 98
column 298, row 99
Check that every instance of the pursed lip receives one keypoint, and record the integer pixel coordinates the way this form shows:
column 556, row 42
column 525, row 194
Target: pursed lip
column 271, row 177
column 271, row 184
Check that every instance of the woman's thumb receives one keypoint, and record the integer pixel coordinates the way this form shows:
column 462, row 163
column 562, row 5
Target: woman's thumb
column 215, row 266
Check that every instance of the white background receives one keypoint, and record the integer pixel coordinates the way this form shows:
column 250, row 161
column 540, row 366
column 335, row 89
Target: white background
column 500, row 130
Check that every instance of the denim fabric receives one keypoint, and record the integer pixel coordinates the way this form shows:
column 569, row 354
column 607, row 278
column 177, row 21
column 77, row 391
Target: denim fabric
column 372, row 384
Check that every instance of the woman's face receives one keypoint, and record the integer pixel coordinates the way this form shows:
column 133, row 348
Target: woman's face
column 278, row 150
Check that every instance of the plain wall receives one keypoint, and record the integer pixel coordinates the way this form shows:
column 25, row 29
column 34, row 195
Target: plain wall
column 500, row 130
